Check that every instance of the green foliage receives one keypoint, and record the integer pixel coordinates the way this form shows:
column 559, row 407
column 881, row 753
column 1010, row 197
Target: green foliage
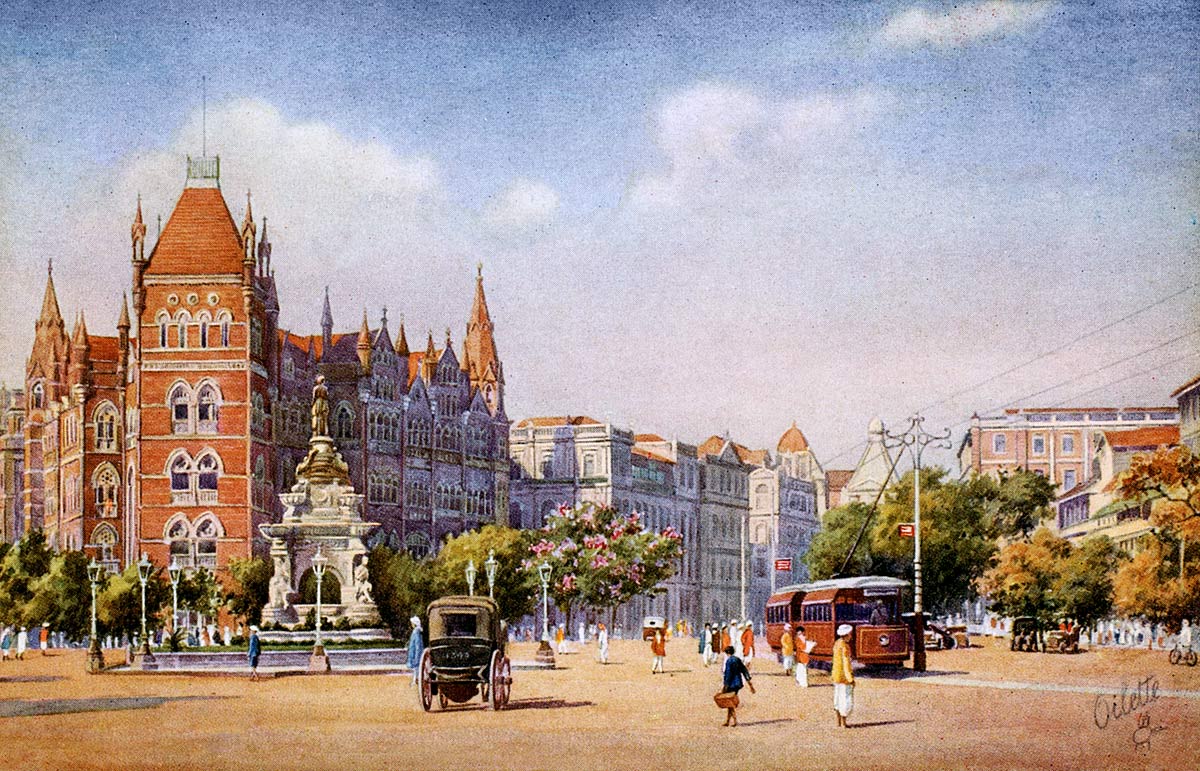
column 120, row 601
column 1022, row 502
column 957, row 535
column 1084, row 589
column 829, row 547
column 331, row 588
column 402, row 586
column 26, row 562
column 516, row 588
column 63, row 596
column 200, row 591
column 251, row 587
column 601, row 558
column 175, row 640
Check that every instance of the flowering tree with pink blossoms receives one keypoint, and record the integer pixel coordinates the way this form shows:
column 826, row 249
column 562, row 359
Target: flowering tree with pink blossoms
column 601, row 558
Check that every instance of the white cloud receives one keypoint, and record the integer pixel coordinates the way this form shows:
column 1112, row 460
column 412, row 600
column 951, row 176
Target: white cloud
column 962, row 24
column 523, row 205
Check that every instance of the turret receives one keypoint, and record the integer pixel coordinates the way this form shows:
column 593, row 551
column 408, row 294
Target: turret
column 81, row 350
column 137, row 233
column 326, row 325
column 401, row 340
column 364, row 345
column 123, row 340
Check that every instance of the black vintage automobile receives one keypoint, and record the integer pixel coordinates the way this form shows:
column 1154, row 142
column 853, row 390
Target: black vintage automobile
column 1026, row 635
column 465, row 656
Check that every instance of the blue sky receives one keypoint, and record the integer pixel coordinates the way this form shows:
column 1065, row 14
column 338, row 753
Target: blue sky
column 695, row 217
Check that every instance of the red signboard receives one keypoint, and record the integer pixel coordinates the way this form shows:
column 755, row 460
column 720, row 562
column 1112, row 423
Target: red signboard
column 784, row 566
column 907, row 530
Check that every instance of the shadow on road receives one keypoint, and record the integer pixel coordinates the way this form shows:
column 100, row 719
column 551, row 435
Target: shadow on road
column 768, row 722
column 31, row 679
column 546, row 704
column 908, row 674
column 878, row 723
column 30, row 707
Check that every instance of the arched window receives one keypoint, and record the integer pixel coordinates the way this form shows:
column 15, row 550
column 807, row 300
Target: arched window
column 181, row 480
column 179, row 535
column 203, row 320
column 106, row 428
column 181, row 409
column 129, row 478
column 206, row 479
column 104, row 538
column 105, row 482
column 38, row 395
column 225, row 321
column 206, row 411
column 182, row 320
column 418, row 545
column 164, row 323
column 762, row 497
column 207, row 532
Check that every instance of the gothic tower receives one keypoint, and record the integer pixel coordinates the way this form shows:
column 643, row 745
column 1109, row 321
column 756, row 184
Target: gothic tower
column 486, row 372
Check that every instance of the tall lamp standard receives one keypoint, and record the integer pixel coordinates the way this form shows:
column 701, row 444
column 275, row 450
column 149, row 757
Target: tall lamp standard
column 319, row 661
column 174, row 571
column 471, row 573
column 144, row 658
column 917, row 439
column 544, row 652
column 95, row 657
column 489, row 569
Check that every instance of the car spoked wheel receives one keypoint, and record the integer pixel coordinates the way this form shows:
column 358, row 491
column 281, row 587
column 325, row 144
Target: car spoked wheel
column 425, row 679
column 501, row 680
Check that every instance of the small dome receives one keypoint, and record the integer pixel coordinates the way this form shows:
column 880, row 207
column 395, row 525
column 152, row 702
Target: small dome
column 875, row 426
column 792, row 441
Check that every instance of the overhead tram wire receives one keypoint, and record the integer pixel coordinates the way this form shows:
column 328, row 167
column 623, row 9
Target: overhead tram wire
column 1130, row 376
column 1060, row 384
column 1062, row 347
column 870, row 512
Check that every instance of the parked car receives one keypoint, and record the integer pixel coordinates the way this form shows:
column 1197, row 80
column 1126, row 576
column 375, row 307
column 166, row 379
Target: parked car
column 1026, row 635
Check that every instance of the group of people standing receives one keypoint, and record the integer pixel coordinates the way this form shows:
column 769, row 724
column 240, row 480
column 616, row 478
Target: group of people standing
column 715, row 639
column 12, row 636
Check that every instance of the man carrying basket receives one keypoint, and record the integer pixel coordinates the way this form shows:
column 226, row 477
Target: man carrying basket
column 735, row 674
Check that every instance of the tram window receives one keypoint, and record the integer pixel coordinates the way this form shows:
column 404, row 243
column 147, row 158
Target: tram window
column 873, row 612
column 817, row 613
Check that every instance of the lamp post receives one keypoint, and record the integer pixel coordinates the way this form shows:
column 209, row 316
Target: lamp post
column 319, row 661
column 917, row 439
column 144, row 656
column 544, row 652
column 95, row 657
column 471, row 572
column 489, row 569
column 174, row 571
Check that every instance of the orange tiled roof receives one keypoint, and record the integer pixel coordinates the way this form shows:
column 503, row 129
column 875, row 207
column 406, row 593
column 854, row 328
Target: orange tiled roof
column 648, row 438
column 562, row 420
column 104, row 348
column 753, row 457
column 200, row 237
column 1152, row 436
column 711, row 446
column 836, row 479
column 652, row 455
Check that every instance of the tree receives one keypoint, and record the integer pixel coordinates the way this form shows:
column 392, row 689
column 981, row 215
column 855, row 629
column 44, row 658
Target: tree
column 1023, row 580
column 200, row 591
column 63, row 596
column 1084, row 588
column 402, row 586
column 602, row 558
column 839, row 528
column 251, row 589
column 1149, row 586
column 516, row 587
column 120, row 601
column 1169, row 480
column 957, row 535
column 27, row 561
column 1022, row 502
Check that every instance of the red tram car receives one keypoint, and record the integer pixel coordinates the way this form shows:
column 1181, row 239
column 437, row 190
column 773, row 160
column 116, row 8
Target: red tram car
column 870, row 604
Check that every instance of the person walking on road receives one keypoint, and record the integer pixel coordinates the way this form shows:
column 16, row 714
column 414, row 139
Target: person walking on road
column 253, row 652
column 803, row 647
column 416, row 646
column 44, row 637
column 22, row 643
column 747, row 642
column 842, row 676
column 6, row 640
column 787, row 649
column 602, row 643
column 658, row 646
column 706, row 650
column 735, row 676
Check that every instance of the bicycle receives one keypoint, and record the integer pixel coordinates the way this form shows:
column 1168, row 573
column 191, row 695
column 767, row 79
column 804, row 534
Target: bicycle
column 1179, row 654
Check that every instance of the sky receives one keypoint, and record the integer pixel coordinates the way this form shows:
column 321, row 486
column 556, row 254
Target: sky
column 693, row 218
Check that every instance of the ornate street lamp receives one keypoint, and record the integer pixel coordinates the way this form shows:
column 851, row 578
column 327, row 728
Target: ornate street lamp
column 545, row 653
column 95, row 657
column 489, row 568
column 471, row 572
column 175, row 572
column 144, row 567
column 319, row 661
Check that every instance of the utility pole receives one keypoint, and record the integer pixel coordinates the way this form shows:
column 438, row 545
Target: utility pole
column 917, row 439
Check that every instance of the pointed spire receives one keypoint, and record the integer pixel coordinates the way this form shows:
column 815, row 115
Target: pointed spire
column 50, row 314
column 327, row 311
column 123, row 321
column 402, row 340
column 264, row 250
column 364, row 345
column 430, row 351
column 79, row 336
column 383, row 318
column 248, row 231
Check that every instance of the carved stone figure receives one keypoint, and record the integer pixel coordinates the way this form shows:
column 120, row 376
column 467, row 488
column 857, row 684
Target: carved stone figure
column 320, row 408
column 362, row 582
column 281, row 585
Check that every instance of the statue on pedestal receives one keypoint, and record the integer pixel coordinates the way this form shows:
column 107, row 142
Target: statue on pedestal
column 320, row 408
column 362, row 582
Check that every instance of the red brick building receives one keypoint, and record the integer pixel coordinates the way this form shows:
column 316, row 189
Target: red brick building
column 174, row 437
